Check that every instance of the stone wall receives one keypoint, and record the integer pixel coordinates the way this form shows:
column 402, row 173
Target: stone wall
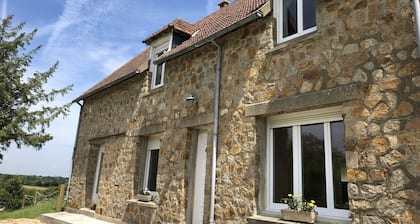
column 105, row 119
column 367, row 47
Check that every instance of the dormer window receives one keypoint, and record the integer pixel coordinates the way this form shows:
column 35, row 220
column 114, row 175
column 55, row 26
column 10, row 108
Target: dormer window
column 295, row 18
column 158, row 70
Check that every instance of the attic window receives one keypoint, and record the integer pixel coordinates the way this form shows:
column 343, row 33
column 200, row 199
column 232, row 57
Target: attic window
column 158, row 70
column 295, row 18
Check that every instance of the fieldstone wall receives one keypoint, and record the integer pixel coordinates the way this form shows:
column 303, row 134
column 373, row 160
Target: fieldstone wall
column 105, row 119
column 370, row 44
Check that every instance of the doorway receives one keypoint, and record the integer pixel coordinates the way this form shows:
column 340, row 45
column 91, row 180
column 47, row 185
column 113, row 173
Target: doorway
column 97, row 175
column 200, row 177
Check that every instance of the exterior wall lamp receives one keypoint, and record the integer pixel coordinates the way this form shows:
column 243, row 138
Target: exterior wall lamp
column 191, row 97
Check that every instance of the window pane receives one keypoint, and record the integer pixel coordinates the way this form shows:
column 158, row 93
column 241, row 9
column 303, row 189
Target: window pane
column 289, row 17
column 283, row 163
column 159, row 69
column 313, row 163
column 339, row 165
column 154, row 158
column 158, row 76
column 309, row 19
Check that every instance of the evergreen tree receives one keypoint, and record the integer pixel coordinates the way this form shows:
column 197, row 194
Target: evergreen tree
column 25, row 113
column 11, row 193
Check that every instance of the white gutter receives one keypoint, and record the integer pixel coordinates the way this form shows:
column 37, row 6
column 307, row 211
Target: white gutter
column 416, row 6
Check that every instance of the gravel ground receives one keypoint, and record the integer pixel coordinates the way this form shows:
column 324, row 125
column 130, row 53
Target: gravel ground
column 20, row 221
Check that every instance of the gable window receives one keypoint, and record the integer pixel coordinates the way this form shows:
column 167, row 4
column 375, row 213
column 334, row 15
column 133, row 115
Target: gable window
column 158, row 70
column 294, row 18
column 306, row 156
column 151, row 164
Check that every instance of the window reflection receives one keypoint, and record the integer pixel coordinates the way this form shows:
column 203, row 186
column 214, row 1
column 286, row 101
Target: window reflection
column 283, row 163
column 339, row 165
column 313, row 163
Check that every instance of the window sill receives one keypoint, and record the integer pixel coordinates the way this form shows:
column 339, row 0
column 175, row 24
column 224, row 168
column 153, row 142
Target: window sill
column 295, row 42
column 149, row 204
column 257, row 219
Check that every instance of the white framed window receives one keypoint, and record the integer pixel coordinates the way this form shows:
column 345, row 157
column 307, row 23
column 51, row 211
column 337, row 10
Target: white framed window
column 151, row 164
column 306, row 156
column 294, row 18
column 158, row 70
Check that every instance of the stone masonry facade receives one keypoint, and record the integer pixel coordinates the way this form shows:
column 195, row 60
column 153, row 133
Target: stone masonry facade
column 363, row 57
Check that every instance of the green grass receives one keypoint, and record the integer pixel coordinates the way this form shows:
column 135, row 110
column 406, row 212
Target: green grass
column 31, row 212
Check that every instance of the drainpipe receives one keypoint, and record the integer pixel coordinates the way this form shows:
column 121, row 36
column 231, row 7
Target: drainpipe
column 74, row 149
column 416, row 6
column 215, row 128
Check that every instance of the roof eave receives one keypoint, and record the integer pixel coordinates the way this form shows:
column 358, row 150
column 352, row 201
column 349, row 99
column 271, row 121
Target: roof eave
column 260, row 13
column 100, row 89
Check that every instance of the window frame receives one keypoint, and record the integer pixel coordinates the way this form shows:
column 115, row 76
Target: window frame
column 278, row 14
column 152, row 144
column 158, row 51
column 295, row 120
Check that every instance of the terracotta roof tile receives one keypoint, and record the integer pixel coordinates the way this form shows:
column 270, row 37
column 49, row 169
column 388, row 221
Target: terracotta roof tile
column 178, row 24
column 119, row 74
column 220, row 20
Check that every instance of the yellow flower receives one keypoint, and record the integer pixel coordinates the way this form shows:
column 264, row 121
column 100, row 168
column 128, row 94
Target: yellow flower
column 289, row 195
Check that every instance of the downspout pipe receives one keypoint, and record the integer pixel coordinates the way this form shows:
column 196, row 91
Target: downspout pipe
column 74, row 149
column 215, row 129
column 416, row 6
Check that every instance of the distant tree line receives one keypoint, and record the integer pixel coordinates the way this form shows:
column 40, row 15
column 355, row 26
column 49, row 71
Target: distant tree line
column 35, row 180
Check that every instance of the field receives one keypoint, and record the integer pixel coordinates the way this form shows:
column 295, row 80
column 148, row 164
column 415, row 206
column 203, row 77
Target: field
column 31, row 212
column 36, row 188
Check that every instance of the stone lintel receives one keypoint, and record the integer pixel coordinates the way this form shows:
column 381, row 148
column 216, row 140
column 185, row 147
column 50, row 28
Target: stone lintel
column 149, row 129
column 332, row 96
column 101, row 139
column 198, row 120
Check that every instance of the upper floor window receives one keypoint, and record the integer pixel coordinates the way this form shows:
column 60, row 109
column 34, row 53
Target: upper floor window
column 158, row 70
column 294, row 18
column 306, row 157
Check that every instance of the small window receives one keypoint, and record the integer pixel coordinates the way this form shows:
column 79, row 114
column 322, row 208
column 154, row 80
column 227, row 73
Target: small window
column 306, row 156
column 151, row 166
column 158, row 70
column 294, row 18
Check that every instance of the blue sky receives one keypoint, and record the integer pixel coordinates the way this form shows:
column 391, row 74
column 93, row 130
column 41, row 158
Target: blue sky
column 90, row 39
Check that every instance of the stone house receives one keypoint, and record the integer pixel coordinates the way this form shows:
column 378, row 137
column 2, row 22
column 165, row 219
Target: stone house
column 222, row 118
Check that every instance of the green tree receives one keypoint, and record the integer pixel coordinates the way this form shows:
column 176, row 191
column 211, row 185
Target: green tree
column 25, row 111
column 11, row 193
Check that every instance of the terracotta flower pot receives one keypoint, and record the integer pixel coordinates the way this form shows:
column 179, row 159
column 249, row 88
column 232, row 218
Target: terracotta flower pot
column 300, row 216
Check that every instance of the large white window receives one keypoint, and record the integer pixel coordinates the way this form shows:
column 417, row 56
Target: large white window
column 151, row 165
column 306, row 156
column 294, row 18
column 158, row 70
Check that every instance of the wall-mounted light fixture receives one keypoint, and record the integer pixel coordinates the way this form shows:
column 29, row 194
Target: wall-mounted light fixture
column 191, row 97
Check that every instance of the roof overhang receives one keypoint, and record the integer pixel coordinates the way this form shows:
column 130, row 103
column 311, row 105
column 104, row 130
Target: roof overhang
column 263, row 11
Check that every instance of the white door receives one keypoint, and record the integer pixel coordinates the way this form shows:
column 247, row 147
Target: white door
column 97, row 175
column 200, row 178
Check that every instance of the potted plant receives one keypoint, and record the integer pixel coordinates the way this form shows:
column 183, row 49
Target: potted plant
column 299, row 209
column 145, row 195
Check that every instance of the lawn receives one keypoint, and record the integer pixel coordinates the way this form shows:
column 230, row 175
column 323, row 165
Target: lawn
column 31, row 212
